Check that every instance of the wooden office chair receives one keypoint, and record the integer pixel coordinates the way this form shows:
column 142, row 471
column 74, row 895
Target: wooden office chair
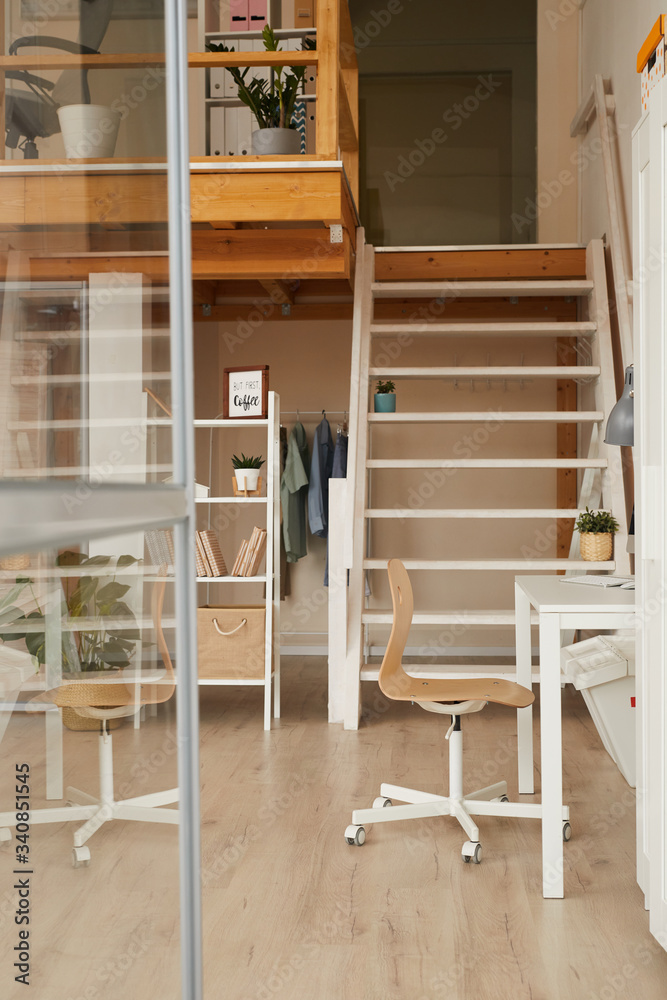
column 448, row 697
column 111, row 696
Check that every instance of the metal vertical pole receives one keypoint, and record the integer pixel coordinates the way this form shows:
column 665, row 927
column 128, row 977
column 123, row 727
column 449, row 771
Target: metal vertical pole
column 182, row 368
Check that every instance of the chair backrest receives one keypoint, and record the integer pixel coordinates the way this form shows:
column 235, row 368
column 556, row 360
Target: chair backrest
column 393, row 679
column 165, row 689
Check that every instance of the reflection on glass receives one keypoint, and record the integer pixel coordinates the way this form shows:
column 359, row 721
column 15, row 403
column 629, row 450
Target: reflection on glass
column 84, row 337
column 88, row 730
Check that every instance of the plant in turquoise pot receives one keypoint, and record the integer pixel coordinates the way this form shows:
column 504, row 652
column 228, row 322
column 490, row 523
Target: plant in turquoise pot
column 385, row 397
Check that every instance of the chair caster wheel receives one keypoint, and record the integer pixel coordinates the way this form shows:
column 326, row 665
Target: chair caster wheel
column 355, row 835
column 501, row 798
column 5, row 835
column 471, row 852
column 80, row 857
column 381, row 802
column 567, row 831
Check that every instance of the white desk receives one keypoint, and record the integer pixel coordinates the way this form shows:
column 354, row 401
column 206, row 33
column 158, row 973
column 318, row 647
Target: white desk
column 559, row 606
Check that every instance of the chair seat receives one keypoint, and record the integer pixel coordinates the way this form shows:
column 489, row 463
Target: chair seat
column 490, row 689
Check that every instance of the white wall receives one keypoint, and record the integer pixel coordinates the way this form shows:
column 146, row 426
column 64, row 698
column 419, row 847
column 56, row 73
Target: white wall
column 612, row 34
column 557, row 201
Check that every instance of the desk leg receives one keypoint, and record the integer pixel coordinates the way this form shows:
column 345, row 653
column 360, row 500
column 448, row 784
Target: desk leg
column 552, row 757
column 524, row 716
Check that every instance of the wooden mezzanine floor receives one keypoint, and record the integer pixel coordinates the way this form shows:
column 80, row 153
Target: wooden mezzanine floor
column 290, row 911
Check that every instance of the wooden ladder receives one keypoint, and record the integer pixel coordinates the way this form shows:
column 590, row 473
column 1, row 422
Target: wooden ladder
column 428, row 329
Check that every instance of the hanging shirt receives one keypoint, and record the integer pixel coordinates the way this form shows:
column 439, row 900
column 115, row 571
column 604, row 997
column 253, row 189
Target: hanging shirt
column 293, row 493
column 320, row 473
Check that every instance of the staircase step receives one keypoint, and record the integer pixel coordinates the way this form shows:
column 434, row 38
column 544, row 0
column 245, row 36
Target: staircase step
column 423, row 328
column 482, row 416
column 490, row 514
column 478, row 289
column 486, row 463
column 385, row 617
column 497, row 372
column 489, row 565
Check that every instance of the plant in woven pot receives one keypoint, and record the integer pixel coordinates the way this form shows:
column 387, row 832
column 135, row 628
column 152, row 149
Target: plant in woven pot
column 596, row 532
column 106, row 640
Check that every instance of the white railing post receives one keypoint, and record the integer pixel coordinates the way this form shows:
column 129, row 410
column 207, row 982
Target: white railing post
column 337, row 598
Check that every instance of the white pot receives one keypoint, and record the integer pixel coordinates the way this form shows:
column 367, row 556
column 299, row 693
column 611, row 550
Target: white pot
column 276, row 142
column 246, row 479
column 89, row 130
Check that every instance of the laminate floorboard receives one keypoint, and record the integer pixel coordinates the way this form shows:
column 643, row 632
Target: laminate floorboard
column 290, row 910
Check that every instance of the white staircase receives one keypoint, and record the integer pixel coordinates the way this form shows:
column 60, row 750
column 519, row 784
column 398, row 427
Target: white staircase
column 421, row 523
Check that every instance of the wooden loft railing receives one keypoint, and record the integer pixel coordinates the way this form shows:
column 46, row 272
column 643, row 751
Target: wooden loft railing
column 335, row 62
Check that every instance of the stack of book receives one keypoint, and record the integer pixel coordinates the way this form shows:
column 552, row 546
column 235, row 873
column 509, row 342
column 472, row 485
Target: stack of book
column 210, row 561
column 250, row 554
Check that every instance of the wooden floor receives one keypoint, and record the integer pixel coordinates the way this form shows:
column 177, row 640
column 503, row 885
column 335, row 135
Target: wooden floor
column 290, row 911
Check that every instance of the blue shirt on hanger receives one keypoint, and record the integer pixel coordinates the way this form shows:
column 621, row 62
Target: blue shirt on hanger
column 321, row 467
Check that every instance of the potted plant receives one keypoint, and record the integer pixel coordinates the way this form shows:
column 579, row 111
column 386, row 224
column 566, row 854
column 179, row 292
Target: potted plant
column 596, row 530
column 385, row 398
column 98, row 646
column 247, row 471
column 271, row 101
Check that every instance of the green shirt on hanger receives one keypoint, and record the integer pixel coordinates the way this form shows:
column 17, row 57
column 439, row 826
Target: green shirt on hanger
column 294, row 494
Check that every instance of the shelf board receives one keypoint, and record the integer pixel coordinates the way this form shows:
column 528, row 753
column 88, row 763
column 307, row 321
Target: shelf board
column 497, row 416
column 231, row 499
column 231, row 579
column 233, row 422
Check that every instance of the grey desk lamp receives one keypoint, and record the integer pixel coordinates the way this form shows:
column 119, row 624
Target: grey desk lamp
column 621, row 423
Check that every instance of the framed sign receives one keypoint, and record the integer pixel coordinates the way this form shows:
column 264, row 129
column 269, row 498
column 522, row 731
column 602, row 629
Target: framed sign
column 245, row 392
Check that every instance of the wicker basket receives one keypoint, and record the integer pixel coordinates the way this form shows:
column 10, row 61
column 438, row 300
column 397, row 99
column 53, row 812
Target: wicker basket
column 231, row 641
column 71, row 696
column 596, row 546
column 15, row 563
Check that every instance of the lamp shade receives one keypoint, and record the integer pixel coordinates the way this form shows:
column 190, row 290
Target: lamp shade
column 621, row 423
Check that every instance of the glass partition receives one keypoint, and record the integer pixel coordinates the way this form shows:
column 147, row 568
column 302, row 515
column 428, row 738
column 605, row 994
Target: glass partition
column 89, row 782
column 96, row 467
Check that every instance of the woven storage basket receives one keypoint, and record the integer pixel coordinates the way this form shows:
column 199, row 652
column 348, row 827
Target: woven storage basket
column 71, row 696
column 238, row 654
column 15, row 563
column 596, row 546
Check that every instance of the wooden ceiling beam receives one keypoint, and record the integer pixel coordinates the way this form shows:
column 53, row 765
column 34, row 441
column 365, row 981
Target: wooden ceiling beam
column 278, row 291
column 280, row 255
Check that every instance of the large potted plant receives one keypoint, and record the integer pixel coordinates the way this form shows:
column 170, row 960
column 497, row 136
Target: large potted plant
column 271, row 101
column 106, row 640
column 596, row 531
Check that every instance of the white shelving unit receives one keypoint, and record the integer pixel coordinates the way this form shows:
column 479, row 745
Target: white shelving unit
column 271, row 577
column 228, row 122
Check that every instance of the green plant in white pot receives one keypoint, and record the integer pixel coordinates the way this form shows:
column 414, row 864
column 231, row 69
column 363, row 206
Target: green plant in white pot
column 596, row 532
column 271, row 101
column 385, row 397
column 246, row 470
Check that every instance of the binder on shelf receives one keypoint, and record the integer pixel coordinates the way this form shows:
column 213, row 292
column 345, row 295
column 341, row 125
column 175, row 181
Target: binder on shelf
column 216, row 134
column 304, row 14
column 257, row 11
column 238, row 15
